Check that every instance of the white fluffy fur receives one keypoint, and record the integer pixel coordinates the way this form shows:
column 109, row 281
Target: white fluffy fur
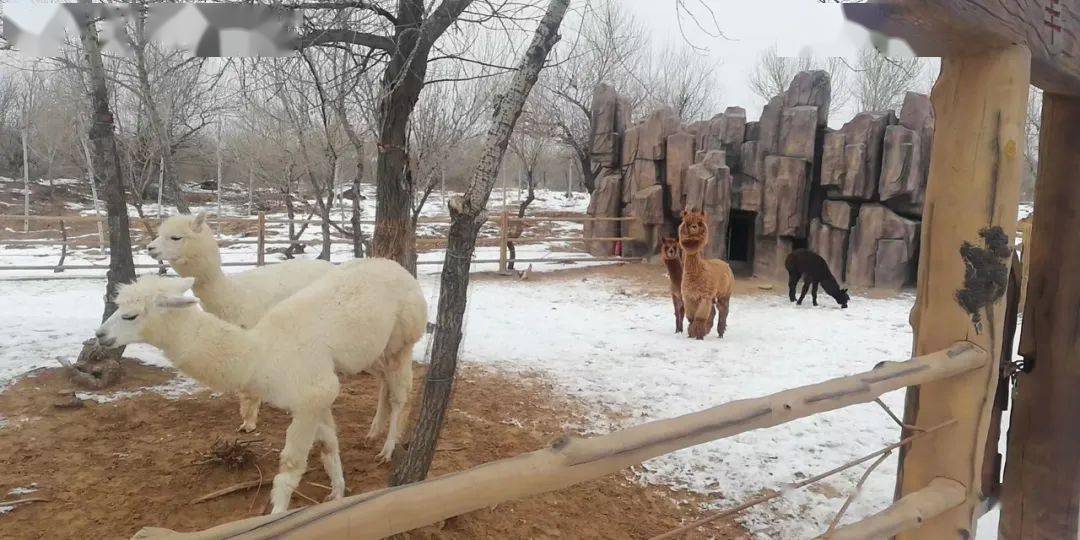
column 188, row 245
column 362, row 316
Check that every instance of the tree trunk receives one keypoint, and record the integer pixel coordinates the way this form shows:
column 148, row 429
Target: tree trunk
column 395, row 233
column 106, row 163
column 466, row 217
column 1041, row 492
column 588, row 177
column 516, row 229
column 157, row 123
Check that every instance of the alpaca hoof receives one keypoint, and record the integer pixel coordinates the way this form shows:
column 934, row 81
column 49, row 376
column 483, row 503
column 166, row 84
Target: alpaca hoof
column 798, row 303
column 386, row 454
column 334, row 495
column 246, row 428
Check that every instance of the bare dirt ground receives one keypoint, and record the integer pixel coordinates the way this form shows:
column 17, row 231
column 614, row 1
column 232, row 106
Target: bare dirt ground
column 109, row 469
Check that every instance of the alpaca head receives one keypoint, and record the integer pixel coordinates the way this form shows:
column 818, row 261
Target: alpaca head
column 842, row 298
column 694, row 231
column 139, row 305
column 184, row 239
column 669, row 249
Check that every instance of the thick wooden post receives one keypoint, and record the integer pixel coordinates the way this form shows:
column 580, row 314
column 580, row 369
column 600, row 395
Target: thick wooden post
column 1041, row 495
column 969, row 219
column 261, row 256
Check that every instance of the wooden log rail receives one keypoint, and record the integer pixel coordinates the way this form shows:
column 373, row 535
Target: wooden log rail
column 572, row 460
column 906, row 514
column 261, row 240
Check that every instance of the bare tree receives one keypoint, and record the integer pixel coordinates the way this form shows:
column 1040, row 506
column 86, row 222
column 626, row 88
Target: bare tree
column 466, row 217
column 879, row 82
column 682, row 78
column 446, row 118
column 1032, row 125
column 609, row 48
column 99, row 366
column 773, row 73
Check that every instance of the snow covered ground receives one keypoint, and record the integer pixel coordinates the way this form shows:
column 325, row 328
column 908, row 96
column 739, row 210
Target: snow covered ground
column 601, row 342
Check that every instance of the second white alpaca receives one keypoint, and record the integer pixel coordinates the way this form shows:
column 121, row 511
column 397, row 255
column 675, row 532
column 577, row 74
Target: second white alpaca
column 362, row 316
column 188, row 245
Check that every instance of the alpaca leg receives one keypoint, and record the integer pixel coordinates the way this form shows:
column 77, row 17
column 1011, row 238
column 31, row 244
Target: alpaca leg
column 813, row 293
column 679, row 309
column 331, row 456
column 792, row 282
column 721, row 315
column 378, row 423
column 298, row 441
column 703, row 314
column 399, row 384
column 805, row 288
column 249, row 412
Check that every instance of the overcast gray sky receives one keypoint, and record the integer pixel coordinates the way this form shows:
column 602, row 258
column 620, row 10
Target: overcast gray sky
column 752, row 26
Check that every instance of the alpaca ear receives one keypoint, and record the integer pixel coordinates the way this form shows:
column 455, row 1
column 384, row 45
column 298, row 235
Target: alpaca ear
column 200, row 220
column 170, row 302
column 843, row 291
column 685, row 213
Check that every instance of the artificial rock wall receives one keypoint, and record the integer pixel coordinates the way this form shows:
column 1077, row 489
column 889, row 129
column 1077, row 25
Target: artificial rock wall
column 853, row 195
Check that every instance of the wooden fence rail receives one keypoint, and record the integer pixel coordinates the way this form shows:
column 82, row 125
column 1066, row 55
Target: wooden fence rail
column 572, row 460
column 506, row 235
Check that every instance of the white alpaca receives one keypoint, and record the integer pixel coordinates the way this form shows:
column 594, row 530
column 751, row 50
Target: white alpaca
column 188, row 245
column 364, row 315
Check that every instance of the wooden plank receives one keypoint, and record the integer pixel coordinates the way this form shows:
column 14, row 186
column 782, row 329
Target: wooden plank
column 980, row 103
column 1042, row 468
column 1049, row 28
column 906, row 514
column 572, row 460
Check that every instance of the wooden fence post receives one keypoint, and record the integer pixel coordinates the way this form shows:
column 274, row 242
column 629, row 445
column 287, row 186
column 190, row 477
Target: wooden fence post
column 63, row 248
column 261, row 256
column 969, row 219
column 504, row 236
column 1042, row 470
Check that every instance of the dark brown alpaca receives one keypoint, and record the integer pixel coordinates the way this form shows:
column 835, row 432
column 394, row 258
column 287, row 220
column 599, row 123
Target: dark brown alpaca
column 671, row 253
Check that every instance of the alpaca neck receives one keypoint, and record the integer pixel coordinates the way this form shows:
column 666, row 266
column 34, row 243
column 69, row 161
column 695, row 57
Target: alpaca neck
column 206, row 269
column 212, row 351
column 829, row 284
column 693, row 263
column 674, row 268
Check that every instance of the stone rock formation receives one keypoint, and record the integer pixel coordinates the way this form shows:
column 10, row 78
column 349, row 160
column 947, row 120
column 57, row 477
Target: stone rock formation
column 906, row 161
column 787, row 196
column 608, row 122
column 837, row 214
column 853, row 195
column 811, row 88
column 798, row 131
column 681, row 148
column 882, row 248
column 831, row 243
column 854, row 174
column 606, row 201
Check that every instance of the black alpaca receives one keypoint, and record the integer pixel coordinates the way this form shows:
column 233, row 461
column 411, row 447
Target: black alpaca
column 813, row 270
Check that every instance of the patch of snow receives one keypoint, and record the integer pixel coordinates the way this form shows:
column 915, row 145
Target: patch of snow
column 23, row 490
column 178, row 387
column 619, row 353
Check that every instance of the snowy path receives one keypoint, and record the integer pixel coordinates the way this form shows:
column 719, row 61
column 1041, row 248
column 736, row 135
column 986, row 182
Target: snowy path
column 615, row 350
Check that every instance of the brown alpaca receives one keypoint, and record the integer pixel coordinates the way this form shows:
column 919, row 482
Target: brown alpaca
column 706, row 283
column 671, row 253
